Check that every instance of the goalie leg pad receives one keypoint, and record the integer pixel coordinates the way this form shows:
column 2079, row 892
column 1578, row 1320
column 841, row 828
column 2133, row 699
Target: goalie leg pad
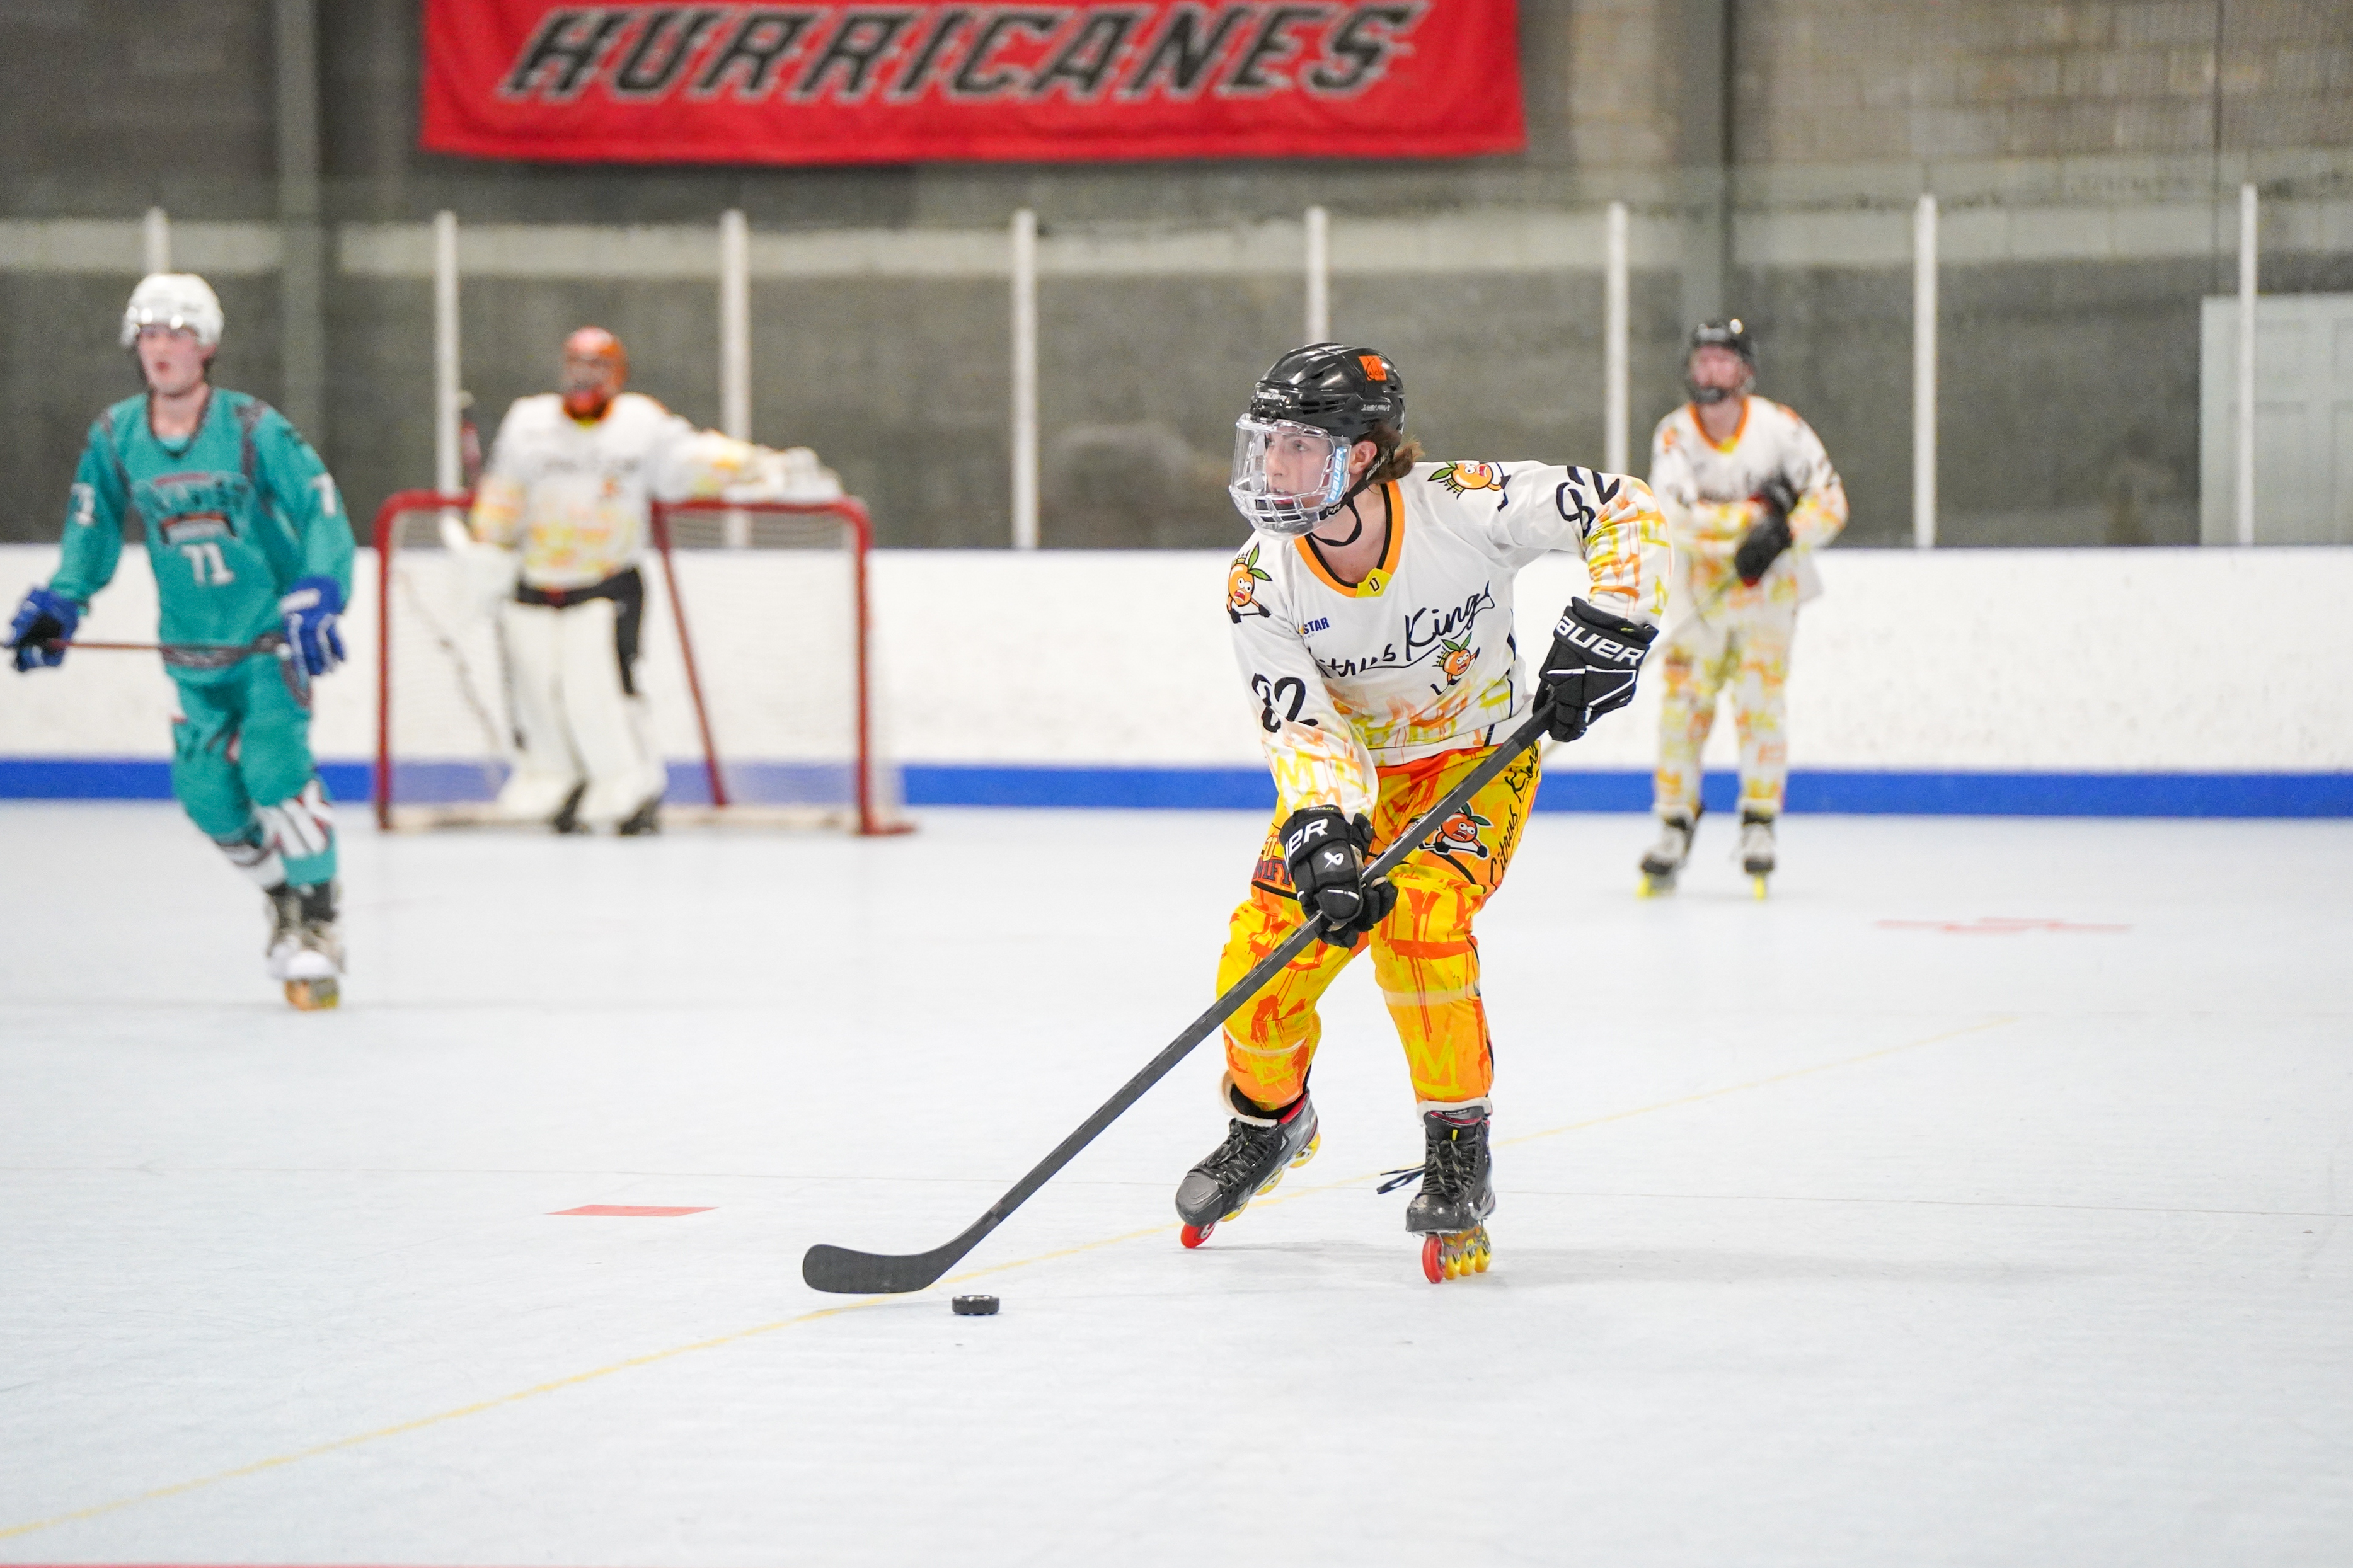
column 547, row 769
column 608, row 721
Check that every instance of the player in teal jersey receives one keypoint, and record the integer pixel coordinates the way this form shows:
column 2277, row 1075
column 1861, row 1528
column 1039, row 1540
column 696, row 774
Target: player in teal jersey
column 252, row 556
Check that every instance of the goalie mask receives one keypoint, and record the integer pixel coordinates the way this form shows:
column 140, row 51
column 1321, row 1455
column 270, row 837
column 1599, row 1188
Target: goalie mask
column 595, row 368
column 1306, row 415
column 179, row 300
column 1731, row 336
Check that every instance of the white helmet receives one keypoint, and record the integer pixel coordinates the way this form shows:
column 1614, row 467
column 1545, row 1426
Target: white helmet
column 173, row 300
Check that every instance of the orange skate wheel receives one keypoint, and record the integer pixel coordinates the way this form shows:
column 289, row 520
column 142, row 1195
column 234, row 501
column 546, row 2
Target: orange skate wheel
column 1433, row 1264
column 1194, row 1234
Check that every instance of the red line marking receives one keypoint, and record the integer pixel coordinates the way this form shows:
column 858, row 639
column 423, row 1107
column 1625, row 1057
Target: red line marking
column 1995, row 925
column 630, row 1211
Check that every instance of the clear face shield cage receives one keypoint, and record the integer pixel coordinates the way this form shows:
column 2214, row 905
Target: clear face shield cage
column 1287, row 477
column 171, row 317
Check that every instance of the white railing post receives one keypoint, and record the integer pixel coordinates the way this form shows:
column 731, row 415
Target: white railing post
column 1025, row 380
column 155, row 233
column 1616, row 393
column 2243, row 469
column 1924, row 375
column 1319, row 275
column 449, row 469
column 735, row 351
column 734, row 325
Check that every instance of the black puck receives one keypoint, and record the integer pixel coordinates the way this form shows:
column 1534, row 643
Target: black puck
column 974, row 1306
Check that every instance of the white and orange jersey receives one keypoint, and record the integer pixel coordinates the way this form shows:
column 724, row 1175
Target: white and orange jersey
column 1419, row 658
column 573, row 495
column 1705, row 490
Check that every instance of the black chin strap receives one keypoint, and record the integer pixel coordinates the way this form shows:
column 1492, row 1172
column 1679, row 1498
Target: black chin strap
column 1354, row 534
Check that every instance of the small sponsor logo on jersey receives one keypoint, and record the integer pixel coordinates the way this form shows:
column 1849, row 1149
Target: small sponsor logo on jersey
column 1463, row 478
column 1241, row 586
column 1320, row 623
column 1457, row 660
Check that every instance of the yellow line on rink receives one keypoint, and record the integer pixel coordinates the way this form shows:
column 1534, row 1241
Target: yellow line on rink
column 259, row 1466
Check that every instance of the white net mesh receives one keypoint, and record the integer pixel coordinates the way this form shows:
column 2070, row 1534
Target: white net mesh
column 771, row 597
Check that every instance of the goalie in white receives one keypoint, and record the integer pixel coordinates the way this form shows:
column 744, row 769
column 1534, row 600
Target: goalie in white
column 559, row 527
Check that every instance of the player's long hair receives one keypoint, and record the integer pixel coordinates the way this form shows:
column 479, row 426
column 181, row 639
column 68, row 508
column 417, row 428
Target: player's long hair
column 1396, row 463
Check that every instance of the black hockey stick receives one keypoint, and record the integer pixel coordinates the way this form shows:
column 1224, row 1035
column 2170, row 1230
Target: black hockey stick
column 846, row 1272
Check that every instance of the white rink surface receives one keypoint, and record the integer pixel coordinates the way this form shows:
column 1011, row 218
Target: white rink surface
column 1821, row 1241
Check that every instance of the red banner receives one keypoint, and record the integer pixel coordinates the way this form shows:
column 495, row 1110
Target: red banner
column 917, row 83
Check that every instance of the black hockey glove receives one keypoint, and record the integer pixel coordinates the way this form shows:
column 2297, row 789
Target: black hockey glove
column 1769, row 535
column 1592, row 667
column 1326, row 853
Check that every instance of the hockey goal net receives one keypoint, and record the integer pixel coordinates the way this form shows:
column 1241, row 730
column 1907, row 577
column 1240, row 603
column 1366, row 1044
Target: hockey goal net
column 753, row 662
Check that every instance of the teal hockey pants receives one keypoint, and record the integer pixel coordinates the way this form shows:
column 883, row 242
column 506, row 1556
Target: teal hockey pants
column 241, row 763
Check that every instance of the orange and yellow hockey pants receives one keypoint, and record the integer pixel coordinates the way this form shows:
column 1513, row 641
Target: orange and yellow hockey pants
column 1424, row 955
column 1743, row 645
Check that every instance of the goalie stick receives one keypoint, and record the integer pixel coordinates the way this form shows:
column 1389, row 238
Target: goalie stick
column 844, row 1271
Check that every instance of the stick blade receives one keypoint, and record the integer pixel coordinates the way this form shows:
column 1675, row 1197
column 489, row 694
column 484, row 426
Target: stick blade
column 843, row 1272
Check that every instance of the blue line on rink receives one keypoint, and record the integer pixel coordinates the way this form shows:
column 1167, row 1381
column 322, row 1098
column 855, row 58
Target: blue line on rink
column 1249, row 789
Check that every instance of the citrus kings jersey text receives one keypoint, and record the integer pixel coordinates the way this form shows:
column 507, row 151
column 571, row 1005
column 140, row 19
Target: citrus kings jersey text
column 1419, row 658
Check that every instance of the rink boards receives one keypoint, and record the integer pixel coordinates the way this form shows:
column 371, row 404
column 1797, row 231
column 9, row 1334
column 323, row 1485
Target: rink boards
column 2180, row 682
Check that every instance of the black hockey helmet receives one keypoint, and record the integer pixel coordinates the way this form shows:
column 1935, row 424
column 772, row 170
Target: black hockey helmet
column 1357, row 394
column 1730, row 334
column 1311, row 407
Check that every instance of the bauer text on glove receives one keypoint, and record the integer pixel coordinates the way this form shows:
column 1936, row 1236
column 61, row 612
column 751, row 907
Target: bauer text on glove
column 1325, row 853
column 42, row 620
column 312, row 606
column 1591, row 668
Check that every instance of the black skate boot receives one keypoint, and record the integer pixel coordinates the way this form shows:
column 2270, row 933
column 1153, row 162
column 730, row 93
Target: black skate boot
column 1258, row 1149
column 1756, row 848
column 1457, row 1193
column 1662, row 861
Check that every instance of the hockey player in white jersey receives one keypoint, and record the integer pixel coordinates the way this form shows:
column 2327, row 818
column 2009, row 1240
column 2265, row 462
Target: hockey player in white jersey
column 1372, row 624
column 1750, row 495
column 559, row 527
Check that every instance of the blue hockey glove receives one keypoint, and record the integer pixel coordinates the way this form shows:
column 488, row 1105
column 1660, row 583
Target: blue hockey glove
column 312, row 607
column 43, row 618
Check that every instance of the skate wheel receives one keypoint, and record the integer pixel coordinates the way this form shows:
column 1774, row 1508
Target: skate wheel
column 1194, row 1234
column 1643, row 890
column 313, row 996
column 1433, row 1263
column 1756, row 888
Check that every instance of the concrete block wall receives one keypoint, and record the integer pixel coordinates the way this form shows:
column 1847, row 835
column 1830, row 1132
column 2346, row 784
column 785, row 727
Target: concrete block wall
column 2088, row 128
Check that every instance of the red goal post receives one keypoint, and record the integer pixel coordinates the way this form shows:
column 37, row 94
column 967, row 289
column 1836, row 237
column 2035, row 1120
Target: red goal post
column 754, row 662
